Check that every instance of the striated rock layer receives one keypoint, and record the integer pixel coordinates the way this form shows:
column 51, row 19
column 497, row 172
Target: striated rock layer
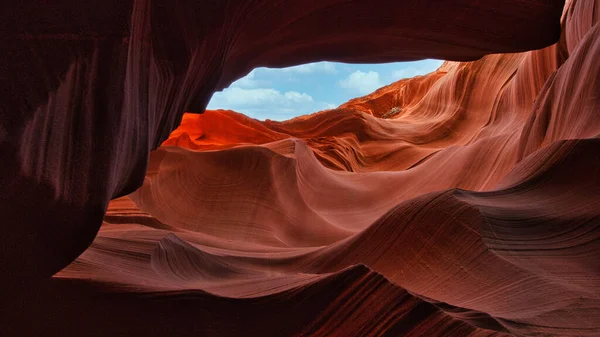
column 464, row 202
column 88, row 91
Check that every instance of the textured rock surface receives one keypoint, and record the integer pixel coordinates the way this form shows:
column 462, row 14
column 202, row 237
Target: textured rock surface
column 463, row 202
column 88, row 92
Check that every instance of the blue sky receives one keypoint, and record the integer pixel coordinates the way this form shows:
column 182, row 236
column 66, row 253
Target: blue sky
column 280, row 94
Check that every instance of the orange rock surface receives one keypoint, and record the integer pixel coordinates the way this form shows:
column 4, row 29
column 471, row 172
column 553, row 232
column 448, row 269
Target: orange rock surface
column 465, row 202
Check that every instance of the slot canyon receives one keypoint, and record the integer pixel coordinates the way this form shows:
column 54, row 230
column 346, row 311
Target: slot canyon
column 463, row 202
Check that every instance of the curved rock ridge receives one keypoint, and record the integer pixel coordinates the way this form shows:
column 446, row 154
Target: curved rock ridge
column 391, row 310
column 459, row 203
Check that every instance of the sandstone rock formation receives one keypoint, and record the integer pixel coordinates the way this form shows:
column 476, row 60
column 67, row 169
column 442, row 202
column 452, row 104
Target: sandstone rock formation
column 88, row 92
column 463, row 202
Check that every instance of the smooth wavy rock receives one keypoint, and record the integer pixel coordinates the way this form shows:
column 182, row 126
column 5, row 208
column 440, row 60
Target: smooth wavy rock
column 460, row 203
column 88, row 92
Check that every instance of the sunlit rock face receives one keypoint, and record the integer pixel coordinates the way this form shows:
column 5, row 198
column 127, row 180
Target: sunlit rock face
column 460, row 203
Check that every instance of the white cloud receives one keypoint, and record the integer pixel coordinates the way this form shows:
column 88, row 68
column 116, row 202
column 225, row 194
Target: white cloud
column 361, row 82
column 418, row 68
column 240, row 97
column 249, row 81
column 303, row 89
column 263, row 103
column 264, row 77
column 408, row 73
column 297, row 97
